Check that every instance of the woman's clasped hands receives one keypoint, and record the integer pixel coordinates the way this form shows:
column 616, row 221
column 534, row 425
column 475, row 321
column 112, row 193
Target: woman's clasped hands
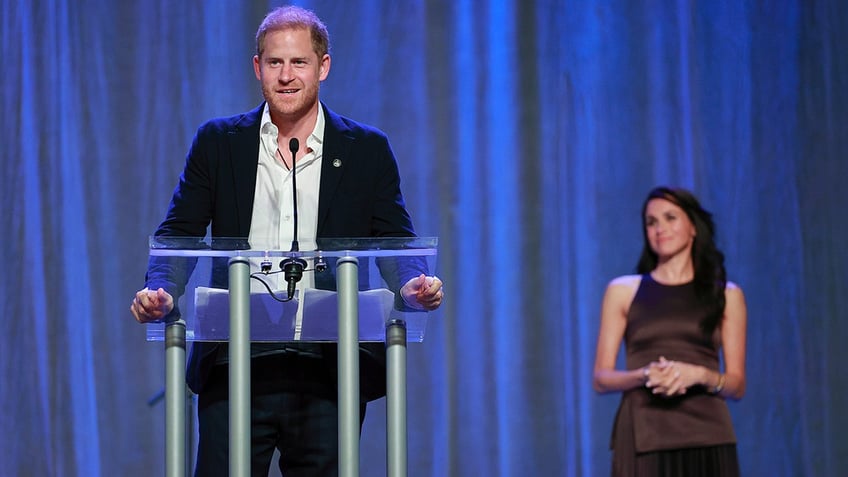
column 671, row 378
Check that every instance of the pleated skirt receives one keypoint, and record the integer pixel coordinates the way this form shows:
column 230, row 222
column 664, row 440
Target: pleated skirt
column 714, row 461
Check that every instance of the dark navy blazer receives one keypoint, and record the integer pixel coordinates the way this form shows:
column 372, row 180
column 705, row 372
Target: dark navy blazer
column 359, row 196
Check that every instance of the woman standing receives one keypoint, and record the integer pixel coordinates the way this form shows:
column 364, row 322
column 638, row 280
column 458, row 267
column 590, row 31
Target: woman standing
column 676, row 317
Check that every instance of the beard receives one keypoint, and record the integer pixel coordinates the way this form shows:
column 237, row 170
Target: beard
column 290, row 105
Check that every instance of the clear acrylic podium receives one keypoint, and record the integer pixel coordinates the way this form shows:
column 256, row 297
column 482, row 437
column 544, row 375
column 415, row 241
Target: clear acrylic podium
column 348, row 295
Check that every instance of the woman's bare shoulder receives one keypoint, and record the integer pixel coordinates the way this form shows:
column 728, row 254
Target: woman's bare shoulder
column 620, row 292
column 733, row 292
column 626, row 281
column 732, row 286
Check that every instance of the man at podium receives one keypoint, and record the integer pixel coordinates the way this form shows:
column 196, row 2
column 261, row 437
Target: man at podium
column 238, row 180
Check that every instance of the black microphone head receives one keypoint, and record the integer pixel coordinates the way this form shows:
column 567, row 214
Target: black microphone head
column 294, row 145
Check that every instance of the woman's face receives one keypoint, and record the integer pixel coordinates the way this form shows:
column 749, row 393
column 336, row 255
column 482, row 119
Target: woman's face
column 668, row 228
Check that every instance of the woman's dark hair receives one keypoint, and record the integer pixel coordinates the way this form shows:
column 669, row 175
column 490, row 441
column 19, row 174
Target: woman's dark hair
column 707, row 260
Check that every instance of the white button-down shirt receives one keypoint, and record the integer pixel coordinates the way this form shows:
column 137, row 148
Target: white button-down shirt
column 272, row 222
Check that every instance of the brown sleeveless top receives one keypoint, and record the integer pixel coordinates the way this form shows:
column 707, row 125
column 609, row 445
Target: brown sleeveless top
column 664, row 320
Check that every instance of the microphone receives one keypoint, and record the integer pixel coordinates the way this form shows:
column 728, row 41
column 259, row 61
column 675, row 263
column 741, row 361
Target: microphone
column 293, row 266
column 294, row 145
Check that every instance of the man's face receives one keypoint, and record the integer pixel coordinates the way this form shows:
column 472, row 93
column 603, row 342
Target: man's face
column 290, row 73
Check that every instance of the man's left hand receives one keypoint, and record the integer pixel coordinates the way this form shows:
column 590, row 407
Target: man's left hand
column 423, row 292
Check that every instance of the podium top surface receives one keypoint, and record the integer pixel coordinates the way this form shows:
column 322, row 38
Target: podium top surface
column 328, row 247
column 194, row 270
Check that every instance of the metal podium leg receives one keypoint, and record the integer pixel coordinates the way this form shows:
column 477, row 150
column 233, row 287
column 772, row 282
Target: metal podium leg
column 396, row 432
column 347, row 276
column 175, row 399
column 239, row 367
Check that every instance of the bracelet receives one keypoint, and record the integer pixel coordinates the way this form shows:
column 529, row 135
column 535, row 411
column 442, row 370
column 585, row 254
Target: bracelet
column 646, row 374
column 718, row 387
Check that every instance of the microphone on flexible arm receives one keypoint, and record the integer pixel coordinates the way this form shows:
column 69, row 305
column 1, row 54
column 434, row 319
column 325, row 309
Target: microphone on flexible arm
column 293, row 266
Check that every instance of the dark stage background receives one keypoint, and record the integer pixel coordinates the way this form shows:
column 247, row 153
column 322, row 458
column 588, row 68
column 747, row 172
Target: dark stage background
column 528, row 133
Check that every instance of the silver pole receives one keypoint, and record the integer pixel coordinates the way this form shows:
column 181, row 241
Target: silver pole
column 347, row 276
column 175, row 399
column 396, row 431
column 239, row 367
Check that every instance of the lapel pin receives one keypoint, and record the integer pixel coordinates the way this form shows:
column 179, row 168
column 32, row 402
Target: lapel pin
column 337, row 163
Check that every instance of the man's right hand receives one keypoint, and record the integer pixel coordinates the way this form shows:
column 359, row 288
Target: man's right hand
column 151, row 305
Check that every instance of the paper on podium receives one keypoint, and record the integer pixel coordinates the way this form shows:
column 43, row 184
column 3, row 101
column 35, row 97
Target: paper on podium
column 314, row 317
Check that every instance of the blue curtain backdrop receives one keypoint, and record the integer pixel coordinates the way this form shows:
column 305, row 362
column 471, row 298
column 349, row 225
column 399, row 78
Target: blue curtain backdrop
column 528, row 133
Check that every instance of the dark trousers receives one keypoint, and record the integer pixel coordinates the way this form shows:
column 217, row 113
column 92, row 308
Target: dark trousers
column 293, row 408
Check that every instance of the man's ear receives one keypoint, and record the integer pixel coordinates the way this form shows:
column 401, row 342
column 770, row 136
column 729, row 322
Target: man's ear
column 324, row 68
